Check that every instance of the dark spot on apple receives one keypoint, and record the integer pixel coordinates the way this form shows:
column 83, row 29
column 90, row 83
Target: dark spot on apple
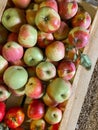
column 8, row 46
column 1, row 92
column 54, row 115
column 63, row 96
column 76, row 40
column 7, row 17
column 19, row 69
column 46, row 18
column 30, row 84
column 13, row 119
column 37, row 127
column 48, row 72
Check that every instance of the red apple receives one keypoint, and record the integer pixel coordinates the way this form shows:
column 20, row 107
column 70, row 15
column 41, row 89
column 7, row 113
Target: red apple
column 78, row 37
column 12, row 51
column 81, row 19
column 67, row 10
column 66, row 70
column 47, row 20
column 34, row 88
column 55, row 51
column 36, row 109
column 14, row 117
column 2, row 110
column 12, row 37
column 37, row 124
column 54, row 127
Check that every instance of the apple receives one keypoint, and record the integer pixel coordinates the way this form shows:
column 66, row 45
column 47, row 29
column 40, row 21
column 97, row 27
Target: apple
column 14, row 117
column 66, row 69
column 78, row 37
column 37, row 124
column 21, row 3
column 45, row 70
column 27, row 36
column 59, row 90
column 3, row 64
column 2, row 110
column 38, row 1
column 62, row 32
column 49, row 101
column 18, row 63
column 4, row 93
column 33, row 56
column 53, row 115
column 81, row 19
column 12, row 37
column 49, row 3
column 67, row 10
column 36, row 109
column 18, row 128
column 47, row 20
column 55, row 51
column 13, row 18
column 54, row 127
column 12, row 51
column 13, row 74
column 62, row 106
column 44, row 39
column 34, row 88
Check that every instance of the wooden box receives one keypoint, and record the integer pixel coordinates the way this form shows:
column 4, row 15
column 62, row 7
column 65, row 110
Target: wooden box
column 82, row 77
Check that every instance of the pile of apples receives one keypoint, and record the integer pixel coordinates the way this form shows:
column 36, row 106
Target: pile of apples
column 41, row 45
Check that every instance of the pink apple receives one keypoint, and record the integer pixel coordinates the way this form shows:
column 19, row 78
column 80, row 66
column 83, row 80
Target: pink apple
column 44, row 39
column 81, row 19
column 27, row 36
column 12, row 51
column 66, row 70
column 50, row 3
column 53, row 115
column 34, row 88
column 2, row 111
column 67, row 10
column 78, row 37
column 47, row 20
column 55, row 51
column 12, row 37
column 62, row 32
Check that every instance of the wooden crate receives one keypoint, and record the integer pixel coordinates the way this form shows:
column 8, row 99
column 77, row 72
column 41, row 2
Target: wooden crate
column 82, row 77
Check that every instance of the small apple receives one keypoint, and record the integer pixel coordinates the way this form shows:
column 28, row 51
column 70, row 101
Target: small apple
column 44, row 39
column 78, row 37
column 53, row 115
column 47, row 20
column 81, row 19
column 66, row 70
column 27, row 36
column 2, row 110
column 59, row 90
column 33, row 56
column 12, row 37
column 34, row 88
column 21, row 3
column 13, row 74
column 55, row 51
column 4, row 92
column 14, row 117
column 12, row 51
column 36, row 109
column 13, row 18
column 45, row 70
column 37, row 124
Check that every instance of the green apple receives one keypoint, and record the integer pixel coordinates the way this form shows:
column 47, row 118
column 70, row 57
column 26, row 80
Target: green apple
column 15, row 77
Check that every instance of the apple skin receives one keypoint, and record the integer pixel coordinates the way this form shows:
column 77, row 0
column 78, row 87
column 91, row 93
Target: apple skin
column 4, row 92
column 2, row 110
column 50, row 3
column 53, row 115
column 12, row 37
column 13, row 18
column 54, row 127
column 34, row 88
column 67, row 10
column 62, row 32
column 59, row 90
column 21, row 3
column 62, row 106
column 37, row 124
column 14, row 117
column 45, row 70
column 27, row 36
column 81, row 19
column 18, row 128
column 44, row 39
column 36, row 109
column 66, row 70
column 78, row 37
column 38, row 1
column 47, row 20
column 33, row 56
column 12, row 51
column 16, row 73
column 55, row 51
